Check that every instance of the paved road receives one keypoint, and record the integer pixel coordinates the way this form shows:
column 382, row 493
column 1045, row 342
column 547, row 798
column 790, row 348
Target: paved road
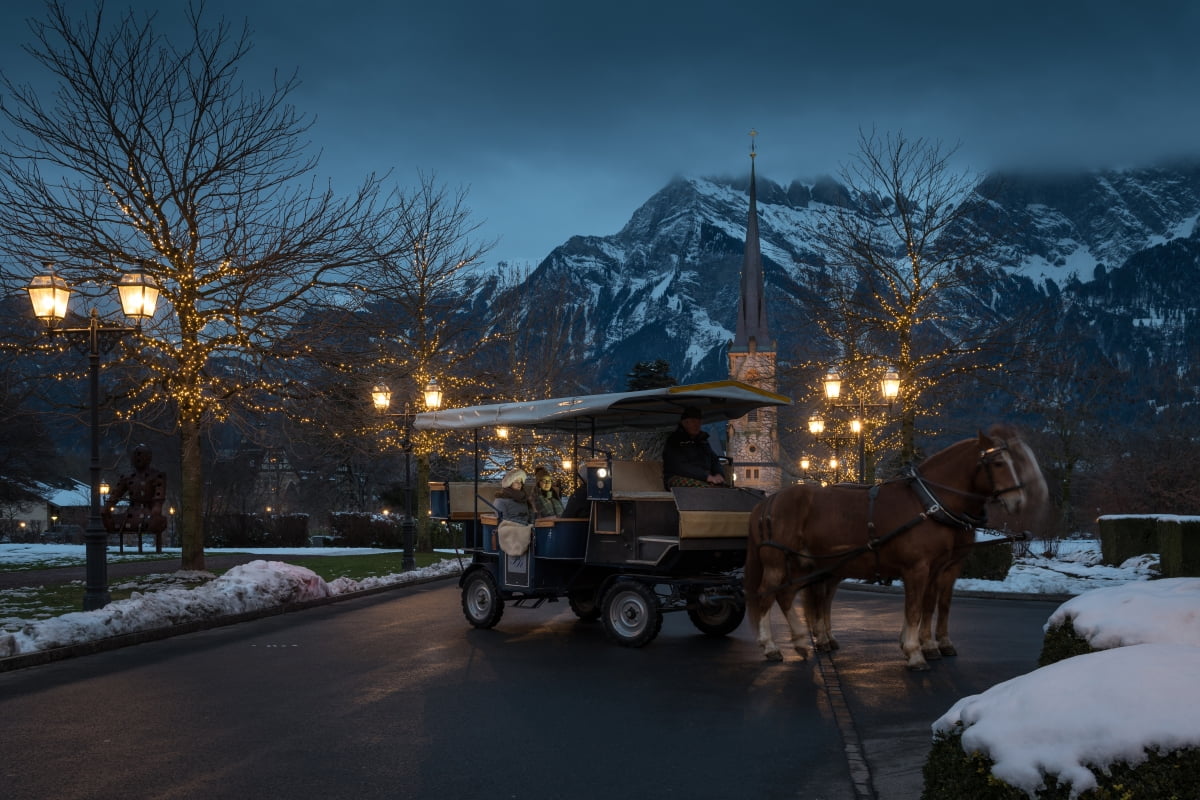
column 394, row 696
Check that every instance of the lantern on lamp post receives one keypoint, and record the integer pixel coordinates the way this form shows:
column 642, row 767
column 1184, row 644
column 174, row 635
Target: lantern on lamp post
column 50, row 295
column 381, row 398
column 889, row 390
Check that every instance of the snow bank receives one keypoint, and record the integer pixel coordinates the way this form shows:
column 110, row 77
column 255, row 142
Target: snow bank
column 245, row 588
column 1142, row 612
column 1090, row 709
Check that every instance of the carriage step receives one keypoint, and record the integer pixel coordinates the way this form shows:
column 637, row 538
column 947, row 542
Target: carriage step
column 659, row 539
column 641, row 561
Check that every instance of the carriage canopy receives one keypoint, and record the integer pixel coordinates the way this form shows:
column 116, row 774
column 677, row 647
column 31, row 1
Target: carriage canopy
column 647, row 410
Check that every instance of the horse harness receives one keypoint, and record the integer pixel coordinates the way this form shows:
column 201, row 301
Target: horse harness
column 932, row 510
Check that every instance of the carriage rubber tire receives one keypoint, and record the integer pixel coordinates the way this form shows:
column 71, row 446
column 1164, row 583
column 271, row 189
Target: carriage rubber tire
column 631, row 614
column 481, row 603
column 720, row 621
column 584, row 604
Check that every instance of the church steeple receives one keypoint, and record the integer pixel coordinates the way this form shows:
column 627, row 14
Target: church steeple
column 753, row 439
column 752, row 333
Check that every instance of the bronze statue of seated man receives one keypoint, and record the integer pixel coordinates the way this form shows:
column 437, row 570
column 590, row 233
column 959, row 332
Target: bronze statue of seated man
column 147, row 490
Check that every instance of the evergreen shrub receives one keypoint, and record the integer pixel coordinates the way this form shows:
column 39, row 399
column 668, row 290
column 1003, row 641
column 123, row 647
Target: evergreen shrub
column 234, row 530
column 353, row 529
column 1124, row 537
column 988, row 562
column 1061, row 641
column 1179, row 547
column 951, row 774
column 288, row 530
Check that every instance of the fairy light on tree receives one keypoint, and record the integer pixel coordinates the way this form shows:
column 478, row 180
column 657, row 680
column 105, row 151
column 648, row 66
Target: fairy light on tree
column 894, row 257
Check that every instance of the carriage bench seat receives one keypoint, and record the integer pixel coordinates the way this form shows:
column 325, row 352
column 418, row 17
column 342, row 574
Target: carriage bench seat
column 709, row 513
column 553, row 537
column 638, row 480
column 458, row 500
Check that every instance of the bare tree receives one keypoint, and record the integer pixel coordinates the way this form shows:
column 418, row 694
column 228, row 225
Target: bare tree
column 423, row 316
column 420, row 289
column 154, row 155
column 537, row 326
column 903, row 244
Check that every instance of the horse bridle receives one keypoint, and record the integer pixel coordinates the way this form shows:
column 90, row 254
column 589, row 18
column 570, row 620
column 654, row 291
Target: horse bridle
column 985, row 461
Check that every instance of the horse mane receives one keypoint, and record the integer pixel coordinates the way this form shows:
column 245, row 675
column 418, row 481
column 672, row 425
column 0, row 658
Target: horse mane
column 1000, row 430
column 950, row 451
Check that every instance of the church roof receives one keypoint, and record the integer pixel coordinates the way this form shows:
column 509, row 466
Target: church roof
column 752, row 307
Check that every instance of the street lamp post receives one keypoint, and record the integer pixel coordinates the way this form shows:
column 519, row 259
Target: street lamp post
column 381, row 398
column 49, row 294
column 889, row 388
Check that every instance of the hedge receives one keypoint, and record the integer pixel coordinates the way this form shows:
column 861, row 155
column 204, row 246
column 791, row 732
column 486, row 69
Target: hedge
column 952, row 774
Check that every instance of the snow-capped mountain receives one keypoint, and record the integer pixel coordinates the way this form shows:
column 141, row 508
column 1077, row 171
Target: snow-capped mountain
column 1115, row 255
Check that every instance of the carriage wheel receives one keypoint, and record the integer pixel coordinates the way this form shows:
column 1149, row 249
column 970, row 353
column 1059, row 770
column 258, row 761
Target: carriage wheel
column 718, row 620
column 584, row 604
column 481, row 603
column 631, row 614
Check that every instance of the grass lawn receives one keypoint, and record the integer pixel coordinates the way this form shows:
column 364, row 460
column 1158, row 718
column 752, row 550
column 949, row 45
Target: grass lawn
column 26, row 604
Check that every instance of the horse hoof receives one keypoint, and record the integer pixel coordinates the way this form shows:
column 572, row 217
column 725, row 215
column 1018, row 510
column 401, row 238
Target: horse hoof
column 947, row 650
column 922, row 667
column 773, row 655
column 931, row 654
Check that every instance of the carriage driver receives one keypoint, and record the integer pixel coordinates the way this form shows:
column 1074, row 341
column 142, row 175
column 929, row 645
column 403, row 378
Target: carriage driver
column 688, row 459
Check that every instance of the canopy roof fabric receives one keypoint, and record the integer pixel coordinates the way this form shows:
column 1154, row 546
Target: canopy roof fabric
column 648, row 409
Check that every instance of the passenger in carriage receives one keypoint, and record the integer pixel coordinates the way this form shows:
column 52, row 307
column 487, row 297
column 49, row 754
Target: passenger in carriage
column 547, row 499
column 688, row 459
column 578, row 504
column 511, row 502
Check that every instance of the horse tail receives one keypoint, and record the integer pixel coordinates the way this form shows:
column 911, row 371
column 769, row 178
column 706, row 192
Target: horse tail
column 760, row 535
column 752, row 574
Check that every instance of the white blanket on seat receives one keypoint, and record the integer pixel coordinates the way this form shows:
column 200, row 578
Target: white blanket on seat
column 514, row 537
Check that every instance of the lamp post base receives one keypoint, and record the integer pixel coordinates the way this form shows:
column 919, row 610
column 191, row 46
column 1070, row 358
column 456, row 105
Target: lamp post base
column 95, row 541
column 408, row 532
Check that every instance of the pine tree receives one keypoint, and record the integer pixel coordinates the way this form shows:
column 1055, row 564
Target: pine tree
column 650, row 375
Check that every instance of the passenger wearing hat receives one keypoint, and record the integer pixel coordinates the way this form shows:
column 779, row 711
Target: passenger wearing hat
column 512, row 503
column 688, row 459
column 547, row 499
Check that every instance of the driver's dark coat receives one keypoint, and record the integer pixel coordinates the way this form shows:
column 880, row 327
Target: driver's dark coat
column 689, row 457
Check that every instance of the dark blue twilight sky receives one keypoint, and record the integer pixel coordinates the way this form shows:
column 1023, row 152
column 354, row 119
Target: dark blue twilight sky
column 562, row 117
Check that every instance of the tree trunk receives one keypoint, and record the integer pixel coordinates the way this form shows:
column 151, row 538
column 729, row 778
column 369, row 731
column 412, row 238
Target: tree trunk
column 908, row 428
column 191, row 472
column 424, row 538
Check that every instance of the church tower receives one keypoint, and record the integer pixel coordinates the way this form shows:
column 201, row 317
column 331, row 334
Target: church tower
column 753, row 439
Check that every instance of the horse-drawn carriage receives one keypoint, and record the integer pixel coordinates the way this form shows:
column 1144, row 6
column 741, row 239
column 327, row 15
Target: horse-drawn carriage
column 639, row 550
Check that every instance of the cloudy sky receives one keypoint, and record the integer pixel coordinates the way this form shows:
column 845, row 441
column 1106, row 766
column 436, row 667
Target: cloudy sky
column 561, row 117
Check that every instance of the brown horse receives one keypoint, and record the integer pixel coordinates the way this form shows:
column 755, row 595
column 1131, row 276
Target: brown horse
column 918, row 528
